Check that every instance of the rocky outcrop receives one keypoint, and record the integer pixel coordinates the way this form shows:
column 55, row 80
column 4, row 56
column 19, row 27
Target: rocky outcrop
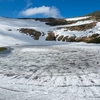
column 51, row 37
column 80, row 27
column 9, row 29
column 33, row 33
column 60, row 38
column 55, row 21
column 65, row 38
column 52, row 21
column 91, row 39
column 71, row 39
column 95, row 38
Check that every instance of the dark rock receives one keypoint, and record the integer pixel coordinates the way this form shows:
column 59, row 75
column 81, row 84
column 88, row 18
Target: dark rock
column 60, row 38
column 33, row 33
column 51, row 37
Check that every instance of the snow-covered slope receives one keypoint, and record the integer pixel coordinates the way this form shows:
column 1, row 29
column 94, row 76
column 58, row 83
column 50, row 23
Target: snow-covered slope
column 10, row 31
column 55, row 72
column 14, row 37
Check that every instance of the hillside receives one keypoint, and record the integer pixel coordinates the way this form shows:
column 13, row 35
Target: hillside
column 50, row 59
column 41, row 31
column 95, row 15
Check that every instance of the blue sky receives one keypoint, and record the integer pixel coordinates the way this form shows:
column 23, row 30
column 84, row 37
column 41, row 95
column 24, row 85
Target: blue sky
column 47, row 8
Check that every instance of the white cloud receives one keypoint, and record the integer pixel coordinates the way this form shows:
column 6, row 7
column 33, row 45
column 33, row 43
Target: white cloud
column 44, row 10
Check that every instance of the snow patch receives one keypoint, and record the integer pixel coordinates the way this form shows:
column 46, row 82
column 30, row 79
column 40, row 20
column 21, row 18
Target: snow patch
column 77, row 18
column 34, row 50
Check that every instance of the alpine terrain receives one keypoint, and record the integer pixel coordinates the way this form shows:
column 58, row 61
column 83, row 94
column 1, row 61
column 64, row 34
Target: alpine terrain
column 50, row 58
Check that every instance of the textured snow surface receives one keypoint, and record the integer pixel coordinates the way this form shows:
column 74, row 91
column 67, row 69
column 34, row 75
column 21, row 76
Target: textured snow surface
column 59, row 72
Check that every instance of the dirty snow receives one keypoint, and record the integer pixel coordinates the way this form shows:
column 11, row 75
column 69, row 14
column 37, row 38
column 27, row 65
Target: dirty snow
column 51, row 72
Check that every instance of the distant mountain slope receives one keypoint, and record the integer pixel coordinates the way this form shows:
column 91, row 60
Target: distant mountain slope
column 44, row 31
column 95, row 15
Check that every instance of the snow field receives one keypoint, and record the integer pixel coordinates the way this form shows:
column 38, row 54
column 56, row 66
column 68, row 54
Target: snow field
column 14, row 37
column 51, row 73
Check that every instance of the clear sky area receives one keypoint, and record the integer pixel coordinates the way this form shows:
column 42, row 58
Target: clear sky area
column 47, row 8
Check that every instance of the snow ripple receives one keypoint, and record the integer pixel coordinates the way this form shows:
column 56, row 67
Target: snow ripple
column 50, row 71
